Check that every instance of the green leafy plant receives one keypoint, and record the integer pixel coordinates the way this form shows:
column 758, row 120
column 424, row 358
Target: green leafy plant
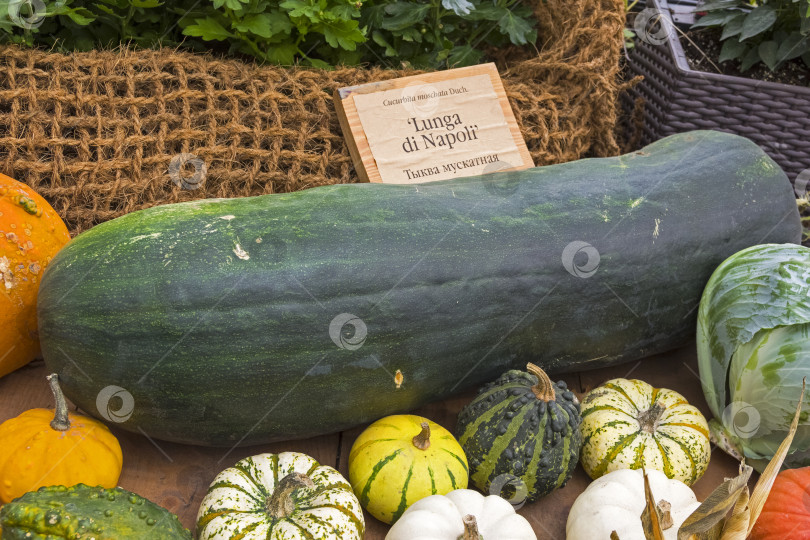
column 278, row 32
column 419, row 33
column 628, row 34
column 753, row 31
column 434, row 33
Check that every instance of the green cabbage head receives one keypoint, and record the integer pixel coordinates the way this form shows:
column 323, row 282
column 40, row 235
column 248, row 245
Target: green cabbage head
column 753, row 345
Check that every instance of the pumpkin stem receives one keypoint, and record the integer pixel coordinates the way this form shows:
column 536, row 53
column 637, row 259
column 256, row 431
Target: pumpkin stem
column 422, row 440
column 648, row 420
column 280, row 504
column 544, row 389
column 61, row 421
column 665, row 514
column 470, row 528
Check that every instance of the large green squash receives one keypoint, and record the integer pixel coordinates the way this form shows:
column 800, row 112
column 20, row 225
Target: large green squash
column 84, row 512
column 242, row 321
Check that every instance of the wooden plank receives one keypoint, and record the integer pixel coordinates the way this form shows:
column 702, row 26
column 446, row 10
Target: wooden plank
column 177, row 476
column 356, row 140
column 25, row 389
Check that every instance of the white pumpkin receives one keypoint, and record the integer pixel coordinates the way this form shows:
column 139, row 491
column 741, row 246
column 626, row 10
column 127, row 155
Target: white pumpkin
column 282, row 496
column 615, row 502
column 462, row 514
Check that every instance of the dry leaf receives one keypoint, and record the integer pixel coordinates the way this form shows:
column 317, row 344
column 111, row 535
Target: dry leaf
column 768, row 476
column 713, row 533
column 614, row 536
column 650, row 520
column 736, row 527
column 706, row 522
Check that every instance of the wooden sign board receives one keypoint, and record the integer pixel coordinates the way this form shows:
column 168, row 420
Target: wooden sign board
column 435, row 126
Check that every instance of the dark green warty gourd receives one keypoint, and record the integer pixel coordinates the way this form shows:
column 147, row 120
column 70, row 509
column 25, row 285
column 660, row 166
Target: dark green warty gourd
column 521, row 435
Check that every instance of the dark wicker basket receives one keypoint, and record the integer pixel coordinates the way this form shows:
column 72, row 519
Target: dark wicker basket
column 678, row 98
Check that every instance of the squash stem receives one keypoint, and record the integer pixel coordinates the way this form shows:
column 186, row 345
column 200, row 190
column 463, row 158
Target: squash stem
column 648, row 420
column 422, row 440
column 280, row 504
column 664, row 509
column 470, row 528
column 544, row 389
column 61, row 421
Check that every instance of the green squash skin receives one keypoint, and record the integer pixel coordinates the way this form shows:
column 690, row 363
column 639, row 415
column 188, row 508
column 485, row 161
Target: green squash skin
column 215, row 314
column 84, row 512
column 500, row 431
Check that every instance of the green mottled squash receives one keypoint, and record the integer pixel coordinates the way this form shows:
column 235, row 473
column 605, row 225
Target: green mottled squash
column 210, row 313
column 521, row 435
column 82, row 512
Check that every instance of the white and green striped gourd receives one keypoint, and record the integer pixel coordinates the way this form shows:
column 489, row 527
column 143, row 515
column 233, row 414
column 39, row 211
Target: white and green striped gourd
column 628, row 424
column 280, row 496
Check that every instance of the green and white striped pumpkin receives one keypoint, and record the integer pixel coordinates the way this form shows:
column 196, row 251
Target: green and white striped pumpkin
column 521, row 435
column 628, row 424
column 280, row 496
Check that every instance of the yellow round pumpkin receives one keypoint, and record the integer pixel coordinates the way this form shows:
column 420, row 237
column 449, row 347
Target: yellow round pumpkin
column 31, row 233
column 42, row 447
column 400, row 459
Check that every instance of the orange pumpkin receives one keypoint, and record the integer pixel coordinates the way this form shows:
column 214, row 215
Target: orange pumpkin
column 786, row 514
column 41, row 447
column 31, row 233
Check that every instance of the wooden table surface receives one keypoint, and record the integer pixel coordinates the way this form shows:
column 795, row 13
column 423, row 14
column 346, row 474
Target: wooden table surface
column 176, row 476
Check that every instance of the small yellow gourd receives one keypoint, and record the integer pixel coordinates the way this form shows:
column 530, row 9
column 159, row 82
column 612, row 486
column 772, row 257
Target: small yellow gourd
column 402, row 458
column 41, row 447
